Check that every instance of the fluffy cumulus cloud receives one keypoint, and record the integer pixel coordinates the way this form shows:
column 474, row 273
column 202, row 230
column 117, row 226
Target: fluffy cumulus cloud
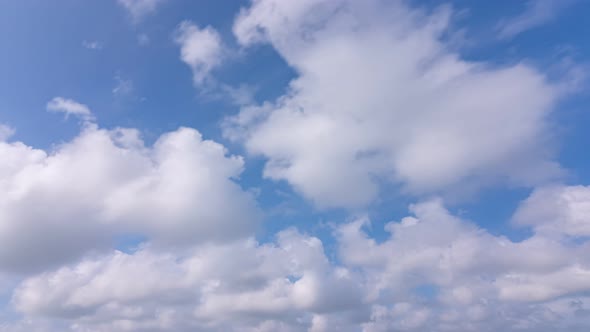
column 57, row 205
column 558, row 210
column 381, row 95
column 467, row 279
column 435, row 272
column 230, row 287
column 108, row 232
column 200, row 48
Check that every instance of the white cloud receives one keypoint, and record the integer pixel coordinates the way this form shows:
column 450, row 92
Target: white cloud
column 123, row 87
column 70, row 107
column 236, row 286
column 435, row 247
column 5, row 132
column 379, row 95
column 56, row 206
column 480, row 282
column 139, row 9
column 143, row 39
column 241, row 95
column 537, row 13
column 92, row 45
column 557, row 210
column 201, row 49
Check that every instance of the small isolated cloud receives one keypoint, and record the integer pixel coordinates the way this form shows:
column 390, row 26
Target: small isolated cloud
column 139, row 9
column 70, row 107
column 537, row 13
column 203, row 50
column 5, row 132
column 200, row 48
column 123, row 87
column 143, row 39
column 93, row 45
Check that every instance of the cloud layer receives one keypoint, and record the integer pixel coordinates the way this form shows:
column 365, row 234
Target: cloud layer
column 108, row 231
column 435, row 271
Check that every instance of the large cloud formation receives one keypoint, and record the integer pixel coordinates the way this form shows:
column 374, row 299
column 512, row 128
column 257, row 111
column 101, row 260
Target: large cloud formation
column 56, row 206
column 380, row 95
column 435, row 271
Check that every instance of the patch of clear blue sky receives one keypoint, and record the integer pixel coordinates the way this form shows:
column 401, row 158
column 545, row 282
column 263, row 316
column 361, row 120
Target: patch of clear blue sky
column 42, row 56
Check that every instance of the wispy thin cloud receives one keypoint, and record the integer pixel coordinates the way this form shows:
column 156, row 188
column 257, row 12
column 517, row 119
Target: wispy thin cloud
column 537, row 13
column 123, row 87
column 139, row 9
column 5, row 132
column 70, row 107
column 143, row 39
column 93, row 45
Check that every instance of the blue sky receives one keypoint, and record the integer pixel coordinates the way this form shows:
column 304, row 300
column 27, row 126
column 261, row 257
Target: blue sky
column 334, row 155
